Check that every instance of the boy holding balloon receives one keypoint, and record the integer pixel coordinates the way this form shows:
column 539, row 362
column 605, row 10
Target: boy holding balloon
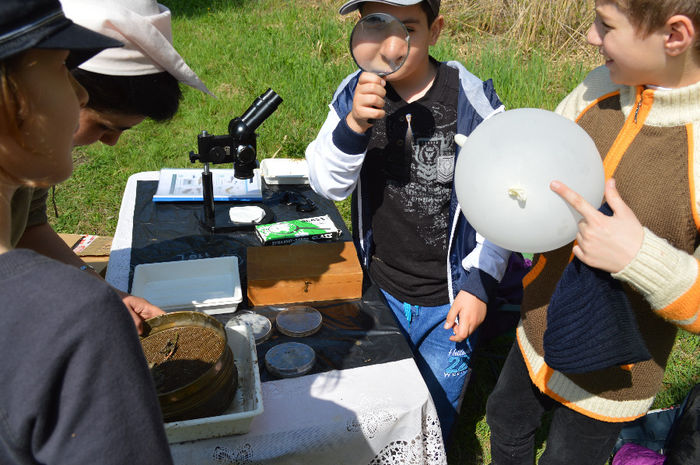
column 642, row 109
column 389, row 141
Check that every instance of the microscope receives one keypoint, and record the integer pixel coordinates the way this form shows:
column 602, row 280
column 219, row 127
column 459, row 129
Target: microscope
column 237, row 147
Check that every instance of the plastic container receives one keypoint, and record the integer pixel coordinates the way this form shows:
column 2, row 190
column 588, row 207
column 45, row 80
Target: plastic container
column 209, row 285
column 285, row 171
column 247, row 402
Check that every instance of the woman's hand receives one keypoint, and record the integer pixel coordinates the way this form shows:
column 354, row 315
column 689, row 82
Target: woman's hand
column 140, row 309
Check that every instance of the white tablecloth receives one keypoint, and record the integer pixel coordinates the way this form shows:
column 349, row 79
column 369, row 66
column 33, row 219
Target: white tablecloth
column 378, row 414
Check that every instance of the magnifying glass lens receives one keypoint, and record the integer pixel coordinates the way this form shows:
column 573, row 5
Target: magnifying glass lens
column 379, row 44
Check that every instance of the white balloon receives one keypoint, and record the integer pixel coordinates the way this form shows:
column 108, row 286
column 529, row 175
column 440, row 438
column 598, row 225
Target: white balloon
column 503, row 173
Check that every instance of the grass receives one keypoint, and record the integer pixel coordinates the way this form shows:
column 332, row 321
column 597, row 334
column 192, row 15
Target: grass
column 534, row 51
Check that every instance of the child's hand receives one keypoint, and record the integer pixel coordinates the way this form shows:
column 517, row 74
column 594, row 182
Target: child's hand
column 471, row 313
column 367, row 103
column 605, row 242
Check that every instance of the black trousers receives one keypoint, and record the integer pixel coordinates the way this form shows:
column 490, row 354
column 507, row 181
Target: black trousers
column 514, row 412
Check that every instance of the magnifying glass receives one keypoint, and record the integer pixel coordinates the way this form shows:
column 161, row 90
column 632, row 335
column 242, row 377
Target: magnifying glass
column 379, row 44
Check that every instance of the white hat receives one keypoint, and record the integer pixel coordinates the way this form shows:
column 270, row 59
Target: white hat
column 353, row 5
column 144, row 28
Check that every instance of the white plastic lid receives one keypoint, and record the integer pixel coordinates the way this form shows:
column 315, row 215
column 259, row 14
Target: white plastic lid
column 259, row 324
column 290, row 359
column 284, row 167
column 246, row 214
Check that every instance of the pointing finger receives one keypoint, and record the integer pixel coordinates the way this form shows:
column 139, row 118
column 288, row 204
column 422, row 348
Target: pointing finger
column 574, row 199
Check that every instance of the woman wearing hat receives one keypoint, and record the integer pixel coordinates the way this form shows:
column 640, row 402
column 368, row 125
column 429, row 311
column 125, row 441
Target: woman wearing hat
column 125, row 85
column 75, row 385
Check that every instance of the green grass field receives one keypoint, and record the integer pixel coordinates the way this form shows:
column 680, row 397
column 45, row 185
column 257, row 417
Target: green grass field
column 532, row 50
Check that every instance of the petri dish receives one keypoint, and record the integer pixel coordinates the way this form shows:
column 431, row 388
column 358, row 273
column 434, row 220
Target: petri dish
column 299, row 321
column 290, row 359
column 259, row 324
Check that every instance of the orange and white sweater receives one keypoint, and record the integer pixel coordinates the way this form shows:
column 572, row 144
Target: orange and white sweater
column 650, row 142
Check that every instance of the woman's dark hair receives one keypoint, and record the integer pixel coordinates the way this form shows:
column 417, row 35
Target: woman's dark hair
column 156, row 96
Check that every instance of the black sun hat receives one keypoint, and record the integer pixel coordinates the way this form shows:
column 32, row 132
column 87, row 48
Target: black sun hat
column 26, row 24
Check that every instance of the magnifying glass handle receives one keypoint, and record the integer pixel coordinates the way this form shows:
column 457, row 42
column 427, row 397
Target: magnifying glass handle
column 372, row 121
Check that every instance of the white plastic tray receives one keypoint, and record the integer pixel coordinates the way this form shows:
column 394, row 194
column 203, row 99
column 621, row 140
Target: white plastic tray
column 209, row 285
column 285, row 170
column 247, row 403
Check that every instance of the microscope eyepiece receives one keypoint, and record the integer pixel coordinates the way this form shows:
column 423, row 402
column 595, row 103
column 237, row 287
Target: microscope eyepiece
column 239, row 146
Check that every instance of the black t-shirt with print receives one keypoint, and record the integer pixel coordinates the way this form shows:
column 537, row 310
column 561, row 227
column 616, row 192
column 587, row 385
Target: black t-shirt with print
column 409, row 168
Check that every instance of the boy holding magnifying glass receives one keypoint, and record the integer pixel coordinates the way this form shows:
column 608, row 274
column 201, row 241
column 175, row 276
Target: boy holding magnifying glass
column 389, row 141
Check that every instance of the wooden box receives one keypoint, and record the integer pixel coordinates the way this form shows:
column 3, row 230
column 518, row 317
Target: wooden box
column 93, row 250
column 285, row 274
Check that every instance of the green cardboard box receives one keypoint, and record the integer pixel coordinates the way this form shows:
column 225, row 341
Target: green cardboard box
column 286, row 232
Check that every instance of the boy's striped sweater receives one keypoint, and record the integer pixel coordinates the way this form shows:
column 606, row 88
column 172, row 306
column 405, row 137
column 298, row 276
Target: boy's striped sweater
column 650, row 142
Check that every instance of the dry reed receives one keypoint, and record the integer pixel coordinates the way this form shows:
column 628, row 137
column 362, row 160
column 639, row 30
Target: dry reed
column 557, row 28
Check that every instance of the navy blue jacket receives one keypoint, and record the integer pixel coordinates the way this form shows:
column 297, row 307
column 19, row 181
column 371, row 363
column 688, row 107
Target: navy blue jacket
column 335, row 166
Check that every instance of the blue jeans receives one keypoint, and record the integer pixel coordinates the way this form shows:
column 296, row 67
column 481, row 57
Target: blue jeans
column 444, row 364
column 514, row 412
